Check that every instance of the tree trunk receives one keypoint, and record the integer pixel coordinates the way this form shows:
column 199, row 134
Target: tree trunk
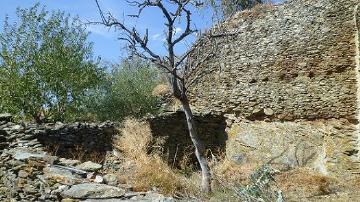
column 199, row 147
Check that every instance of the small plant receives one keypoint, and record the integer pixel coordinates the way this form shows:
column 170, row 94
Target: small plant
column 260, row 188
column 52, row 149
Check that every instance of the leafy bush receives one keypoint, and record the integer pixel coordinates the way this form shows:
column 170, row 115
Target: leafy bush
column 127, row 92
column 260, row 189
column 46, row 65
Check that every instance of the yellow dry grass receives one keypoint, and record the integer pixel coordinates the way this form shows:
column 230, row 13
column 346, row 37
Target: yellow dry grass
column 149, row 170
column 230, row 174
column 302, row 182
column 161, row 90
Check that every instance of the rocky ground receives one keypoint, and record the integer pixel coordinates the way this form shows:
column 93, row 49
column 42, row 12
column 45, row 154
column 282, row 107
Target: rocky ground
column 29, row 173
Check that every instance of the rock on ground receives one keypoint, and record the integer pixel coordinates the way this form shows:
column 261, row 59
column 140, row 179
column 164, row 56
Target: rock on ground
column 89, row 166
column 93, row 191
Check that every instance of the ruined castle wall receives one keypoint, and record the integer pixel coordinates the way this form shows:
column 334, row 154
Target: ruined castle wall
column 295, row 61
column 287, row 79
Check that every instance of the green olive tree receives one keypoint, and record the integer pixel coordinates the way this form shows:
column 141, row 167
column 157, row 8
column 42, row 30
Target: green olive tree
column 127, row 91
column 46, row 65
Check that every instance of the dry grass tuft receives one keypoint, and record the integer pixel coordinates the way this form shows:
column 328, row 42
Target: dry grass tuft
column 231, row 174
column 154, row 172
column 303, row 182
column 148, row 169
column 135, row 139
column 161, row 90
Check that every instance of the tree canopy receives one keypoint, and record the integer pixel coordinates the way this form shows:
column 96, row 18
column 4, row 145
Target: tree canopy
column 126, row 91
column 46, row 64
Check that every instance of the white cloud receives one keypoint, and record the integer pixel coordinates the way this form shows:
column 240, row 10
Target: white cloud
column 100, row 30
column 178, row 30
column 156, row 37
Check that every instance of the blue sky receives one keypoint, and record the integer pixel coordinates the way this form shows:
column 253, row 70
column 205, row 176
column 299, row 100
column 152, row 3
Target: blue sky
column 105, row 41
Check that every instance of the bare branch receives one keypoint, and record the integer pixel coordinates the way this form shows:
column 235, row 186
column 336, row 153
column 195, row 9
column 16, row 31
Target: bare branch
column 188, row 31
column 141, row 6
column 111, row 21
column 135, row 41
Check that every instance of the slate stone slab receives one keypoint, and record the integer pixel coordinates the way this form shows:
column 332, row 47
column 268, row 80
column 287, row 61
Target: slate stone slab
column 89, row 166
column 24, row 155
column 93, row 191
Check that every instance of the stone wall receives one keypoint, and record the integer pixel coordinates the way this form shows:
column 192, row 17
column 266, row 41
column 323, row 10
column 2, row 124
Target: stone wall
column 68, row 139
column 285, row 62
column 171, row 128
column 29, row 172
column 60, row 139
column 287, row 79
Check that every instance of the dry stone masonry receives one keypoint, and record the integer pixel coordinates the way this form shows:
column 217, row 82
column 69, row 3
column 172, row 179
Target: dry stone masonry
column 29, row 172
column 285, row 75
column 172, row 129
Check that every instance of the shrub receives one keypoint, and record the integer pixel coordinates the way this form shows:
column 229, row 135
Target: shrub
column 260, row 187
column 46, row 65
column 126, row 92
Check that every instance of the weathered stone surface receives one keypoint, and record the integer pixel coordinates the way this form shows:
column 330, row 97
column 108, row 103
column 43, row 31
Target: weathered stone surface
column 57, row 175
column 298, row 58
column 146, row 197
column 325, row 146
column 297, row 62
column 68, row 162
column 23, row 174
column 98, row 179
column 28, row 173
column 93, row 191
column 110, row 179
column 268, row 112
column 23, row 154
column 89, row 166
column 76, row 138
column 153, row 197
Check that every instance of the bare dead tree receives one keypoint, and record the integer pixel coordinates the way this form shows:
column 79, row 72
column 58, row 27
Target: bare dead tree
column 174, row 65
